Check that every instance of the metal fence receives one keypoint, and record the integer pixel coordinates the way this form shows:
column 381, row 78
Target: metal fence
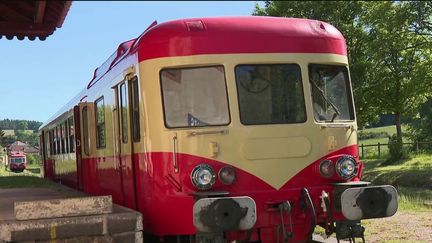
column 381, row 149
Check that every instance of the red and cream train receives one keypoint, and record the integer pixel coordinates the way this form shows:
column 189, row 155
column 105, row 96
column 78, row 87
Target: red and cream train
column 222, row 129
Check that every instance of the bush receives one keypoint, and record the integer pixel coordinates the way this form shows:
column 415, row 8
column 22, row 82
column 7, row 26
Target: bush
column 395, row 146
column 33, row 159
column 368, row 135
column 421, row 129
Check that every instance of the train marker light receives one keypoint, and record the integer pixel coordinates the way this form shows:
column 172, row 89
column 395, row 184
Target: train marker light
column 227, row 175
column 347, row 167
column 327, row 168
column 203, row 177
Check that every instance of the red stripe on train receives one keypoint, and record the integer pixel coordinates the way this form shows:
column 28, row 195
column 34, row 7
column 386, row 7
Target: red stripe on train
column 165, row 198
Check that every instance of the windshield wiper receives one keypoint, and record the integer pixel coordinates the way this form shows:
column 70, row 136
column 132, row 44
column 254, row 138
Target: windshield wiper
column 337, row 112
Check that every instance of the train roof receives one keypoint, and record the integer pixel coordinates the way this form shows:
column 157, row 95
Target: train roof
column 251, row 34
column 222, row 35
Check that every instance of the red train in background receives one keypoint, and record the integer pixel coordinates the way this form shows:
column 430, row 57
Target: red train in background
column 222, row 129
column 17, row 161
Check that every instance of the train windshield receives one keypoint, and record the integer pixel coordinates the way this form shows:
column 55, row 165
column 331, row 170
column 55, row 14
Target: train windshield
column 331, row 94
column 17, row 160
column 195, row 97
column 270, row 94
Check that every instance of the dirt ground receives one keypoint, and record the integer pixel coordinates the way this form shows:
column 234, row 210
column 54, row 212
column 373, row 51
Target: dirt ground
column 402, row 227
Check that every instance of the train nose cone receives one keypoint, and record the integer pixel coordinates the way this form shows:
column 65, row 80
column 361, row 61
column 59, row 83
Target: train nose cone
column 223, row 215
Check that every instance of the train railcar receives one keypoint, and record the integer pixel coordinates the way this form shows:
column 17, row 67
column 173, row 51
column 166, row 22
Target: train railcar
column 17, row 161
column 222, row 129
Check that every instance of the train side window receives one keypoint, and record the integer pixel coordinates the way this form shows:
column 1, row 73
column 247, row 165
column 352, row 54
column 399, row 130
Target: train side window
column 58, row 140
column 135, row 109
column 123, row 113
column 71, row 138
column 66, row 136
column 100, row 122
column 62, row 138
column 50, row 140
column 53, row 145
column 55, row 139
column 85, row 131
column 54, row 132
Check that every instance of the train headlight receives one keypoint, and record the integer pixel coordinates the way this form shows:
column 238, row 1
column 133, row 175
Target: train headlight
column 227, row 175
column 203, row 177
column 347, row 167
column 327, row 168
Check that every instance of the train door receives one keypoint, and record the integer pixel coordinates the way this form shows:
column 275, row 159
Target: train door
column 75, row 129
column 124, row 140
column 89, row 176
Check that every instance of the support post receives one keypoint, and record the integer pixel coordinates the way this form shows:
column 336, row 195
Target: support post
column 379, row 149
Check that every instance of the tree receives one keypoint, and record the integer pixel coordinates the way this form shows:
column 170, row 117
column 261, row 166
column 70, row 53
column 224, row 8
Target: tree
column 346, row 16
column 389, row 49
column 8, row 140
column 421, row 128
column 2, row 134
column 22, row 125
column 399, row 77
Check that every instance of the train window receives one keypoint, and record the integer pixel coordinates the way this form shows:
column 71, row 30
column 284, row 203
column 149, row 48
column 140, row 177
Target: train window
column 100, row 123
column 195, row 97
column 71, row 138
column 53, row 143
column 57, row 141
column 53, row 146
column 123, row 112
column 62, row 138
column 57, row 138
column 50, row 140
column 66, row 136
column 85, row 131
column 331, row 93
column 270, row 94
column 135, row 109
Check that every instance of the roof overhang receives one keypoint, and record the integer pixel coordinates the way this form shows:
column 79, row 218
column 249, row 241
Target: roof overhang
column 31, row 19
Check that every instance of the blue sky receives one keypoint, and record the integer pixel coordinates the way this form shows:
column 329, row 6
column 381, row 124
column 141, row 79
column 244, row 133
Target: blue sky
column 39, row 77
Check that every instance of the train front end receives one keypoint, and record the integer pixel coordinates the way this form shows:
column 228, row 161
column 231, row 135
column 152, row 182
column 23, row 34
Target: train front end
column 256, row 146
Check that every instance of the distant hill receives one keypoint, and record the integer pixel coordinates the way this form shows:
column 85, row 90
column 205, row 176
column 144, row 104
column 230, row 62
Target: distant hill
column 12, row 132
column 19, row 130
column 8, row 124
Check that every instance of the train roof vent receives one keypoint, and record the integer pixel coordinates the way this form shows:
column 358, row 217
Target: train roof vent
column 137, row 40
column 121, row 52
column 195, row 25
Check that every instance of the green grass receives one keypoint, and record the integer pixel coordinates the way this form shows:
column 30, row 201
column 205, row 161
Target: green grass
column 412, row 177
column 29, row 178
column 390, row 130
column 372, row 152
column 414, row 199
